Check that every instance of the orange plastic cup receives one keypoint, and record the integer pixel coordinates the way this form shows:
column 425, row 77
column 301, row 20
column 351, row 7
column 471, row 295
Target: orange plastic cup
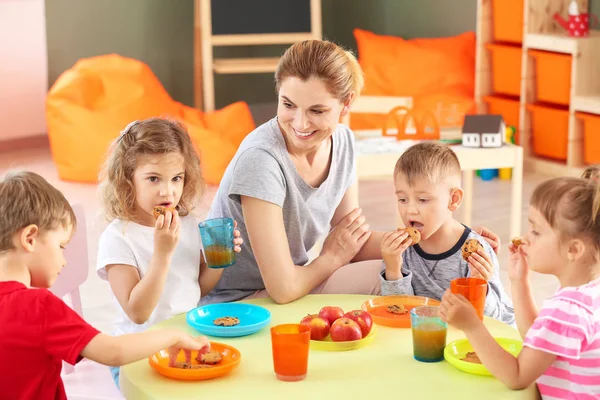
column 290, row 344
column 473, row 289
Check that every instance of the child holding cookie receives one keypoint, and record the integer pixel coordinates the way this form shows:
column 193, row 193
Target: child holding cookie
column 154, row 264
column 427, row 179
column 562, row 340
column 38, row 331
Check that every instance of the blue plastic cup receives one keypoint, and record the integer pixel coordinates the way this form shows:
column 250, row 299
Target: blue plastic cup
column 217, row 240
column 429, row 333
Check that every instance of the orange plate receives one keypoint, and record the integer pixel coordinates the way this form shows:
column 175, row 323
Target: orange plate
column 231, row 359
column 377, row 307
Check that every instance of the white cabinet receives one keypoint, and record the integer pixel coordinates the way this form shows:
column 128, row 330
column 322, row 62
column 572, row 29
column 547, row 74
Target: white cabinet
column 23, row 68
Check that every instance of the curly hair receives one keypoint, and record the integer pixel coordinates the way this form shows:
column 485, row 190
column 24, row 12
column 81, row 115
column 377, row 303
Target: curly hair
column 151, row 136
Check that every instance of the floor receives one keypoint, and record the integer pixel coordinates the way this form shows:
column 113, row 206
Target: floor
column 491, row 209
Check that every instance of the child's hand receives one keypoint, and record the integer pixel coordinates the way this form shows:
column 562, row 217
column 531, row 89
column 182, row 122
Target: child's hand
column 187, row 344
column 166, row 233
column 458, row 311
column 237, row 240
column 393, row 245
column 518, row 270
column 481, row 265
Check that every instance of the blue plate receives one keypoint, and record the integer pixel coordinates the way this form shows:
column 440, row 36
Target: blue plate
column 252, row 319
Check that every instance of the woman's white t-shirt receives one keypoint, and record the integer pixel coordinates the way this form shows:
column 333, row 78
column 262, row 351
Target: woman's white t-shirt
column 129, row 243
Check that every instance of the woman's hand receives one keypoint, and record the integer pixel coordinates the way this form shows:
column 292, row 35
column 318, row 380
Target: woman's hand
column 237, row 240
column 346, row 238
column 489, row 237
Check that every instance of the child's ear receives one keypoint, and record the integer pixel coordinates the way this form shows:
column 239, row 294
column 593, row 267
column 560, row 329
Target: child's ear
column 575, row 250
column 456, row 197
column 28, row 237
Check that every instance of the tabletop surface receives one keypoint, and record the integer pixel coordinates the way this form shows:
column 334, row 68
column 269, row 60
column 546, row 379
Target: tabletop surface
column 385, row 367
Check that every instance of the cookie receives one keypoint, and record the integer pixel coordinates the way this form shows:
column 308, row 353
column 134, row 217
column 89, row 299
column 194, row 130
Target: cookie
column 398, row 309
column 226, row 321
column 413, row 233
column 210, row 358
column 162, row 210
column 471, row 357
column 517, row 241
column 470, row 246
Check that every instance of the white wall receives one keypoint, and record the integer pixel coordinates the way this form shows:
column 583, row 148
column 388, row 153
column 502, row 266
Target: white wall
column 23, row 68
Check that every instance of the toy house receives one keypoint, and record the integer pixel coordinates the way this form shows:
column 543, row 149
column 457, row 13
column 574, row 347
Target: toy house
column 483, row 131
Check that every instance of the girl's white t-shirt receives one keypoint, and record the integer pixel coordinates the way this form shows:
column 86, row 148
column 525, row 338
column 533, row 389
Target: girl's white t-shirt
column 129, row 243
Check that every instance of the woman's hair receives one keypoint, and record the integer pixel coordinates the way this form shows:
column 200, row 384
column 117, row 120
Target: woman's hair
column 153, row 136
column 324, row 60
column 572, row 208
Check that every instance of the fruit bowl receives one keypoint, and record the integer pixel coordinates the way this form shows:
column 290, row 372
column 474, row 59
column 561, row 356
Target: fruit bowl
column 377, row 307
column 328, row 345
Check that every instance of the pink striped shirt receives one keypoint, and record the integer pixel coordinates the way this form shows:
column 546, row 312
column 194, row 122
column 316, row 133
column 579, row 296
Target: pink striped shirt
column 569, row 326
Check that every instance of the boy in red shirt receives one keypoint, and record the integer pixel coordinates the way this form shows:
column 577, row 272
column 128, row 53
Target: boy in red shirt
column 37, row 329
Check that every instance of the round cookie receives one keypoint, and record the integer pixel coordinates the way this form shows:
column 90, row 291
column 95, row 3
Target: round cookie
column 211, row 358
column 470, row 246
column 413, row 233
column 517, row 241
column 226, row 321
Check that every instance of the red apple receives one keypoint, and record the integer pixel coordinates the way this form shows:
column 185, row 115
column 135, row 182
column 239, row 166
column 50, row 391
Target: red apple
column 319, row 327
column 363, row 319
column 331, row 313
column 345, row 330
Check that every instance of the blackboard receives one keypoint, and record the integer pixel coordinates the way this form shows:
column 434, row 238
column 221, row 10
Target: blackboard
column 230, row 17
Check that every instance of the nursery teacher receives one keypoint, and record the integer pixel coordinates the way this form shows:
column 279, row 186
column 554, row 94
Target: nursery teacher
column 291, row 180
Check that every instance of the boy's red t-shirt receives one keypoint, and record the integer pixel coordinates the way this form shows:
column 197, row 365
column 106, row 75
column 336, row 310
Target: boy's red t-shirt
column 37, row 332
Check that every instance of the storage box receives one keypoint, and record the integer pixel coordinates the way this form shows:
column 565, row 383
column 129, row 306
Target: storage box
column 591, row 137
column 507, row 20
column 552, row 77
column 506, row 68
column 549, row 131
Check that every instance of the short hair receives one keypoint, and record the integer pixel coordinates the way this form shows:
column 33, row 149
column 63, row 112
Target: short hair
column 153, row 136
column 428, row 160
column 28, row 199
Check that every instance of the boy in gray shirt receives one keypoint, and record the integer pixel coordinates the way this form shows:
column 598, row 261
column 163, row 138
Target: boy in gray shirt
column 427, row 179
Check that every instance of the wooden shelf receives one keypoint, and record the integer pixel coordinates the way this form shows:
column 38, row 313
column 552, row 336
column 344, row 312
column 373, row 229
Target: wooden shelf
column 588, row 104
column 245, row 65
column 260, row 39
column 557, row 42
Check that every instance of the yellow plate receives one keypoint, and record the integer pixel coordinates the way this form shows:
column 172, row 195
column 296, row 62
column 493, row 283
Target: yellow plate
column 328, row 345
column 456, row 350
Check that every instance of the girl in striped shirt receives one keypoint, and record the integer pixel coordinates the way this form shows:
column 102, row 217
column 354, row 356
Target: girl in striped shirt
column 561, row 350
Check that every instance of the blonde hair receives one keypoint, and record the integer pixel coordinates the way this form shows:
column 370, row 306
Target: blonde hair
column 324, row 60
column 153, row 136
column 28, row 199
column 592, row 172
column 571, row 206
column 428, row 160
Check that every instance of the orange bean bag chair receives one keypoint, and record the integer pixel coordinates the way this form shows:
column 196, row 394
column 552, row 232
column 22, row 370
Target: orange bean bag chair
column 438, row 73
column 92, row 102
